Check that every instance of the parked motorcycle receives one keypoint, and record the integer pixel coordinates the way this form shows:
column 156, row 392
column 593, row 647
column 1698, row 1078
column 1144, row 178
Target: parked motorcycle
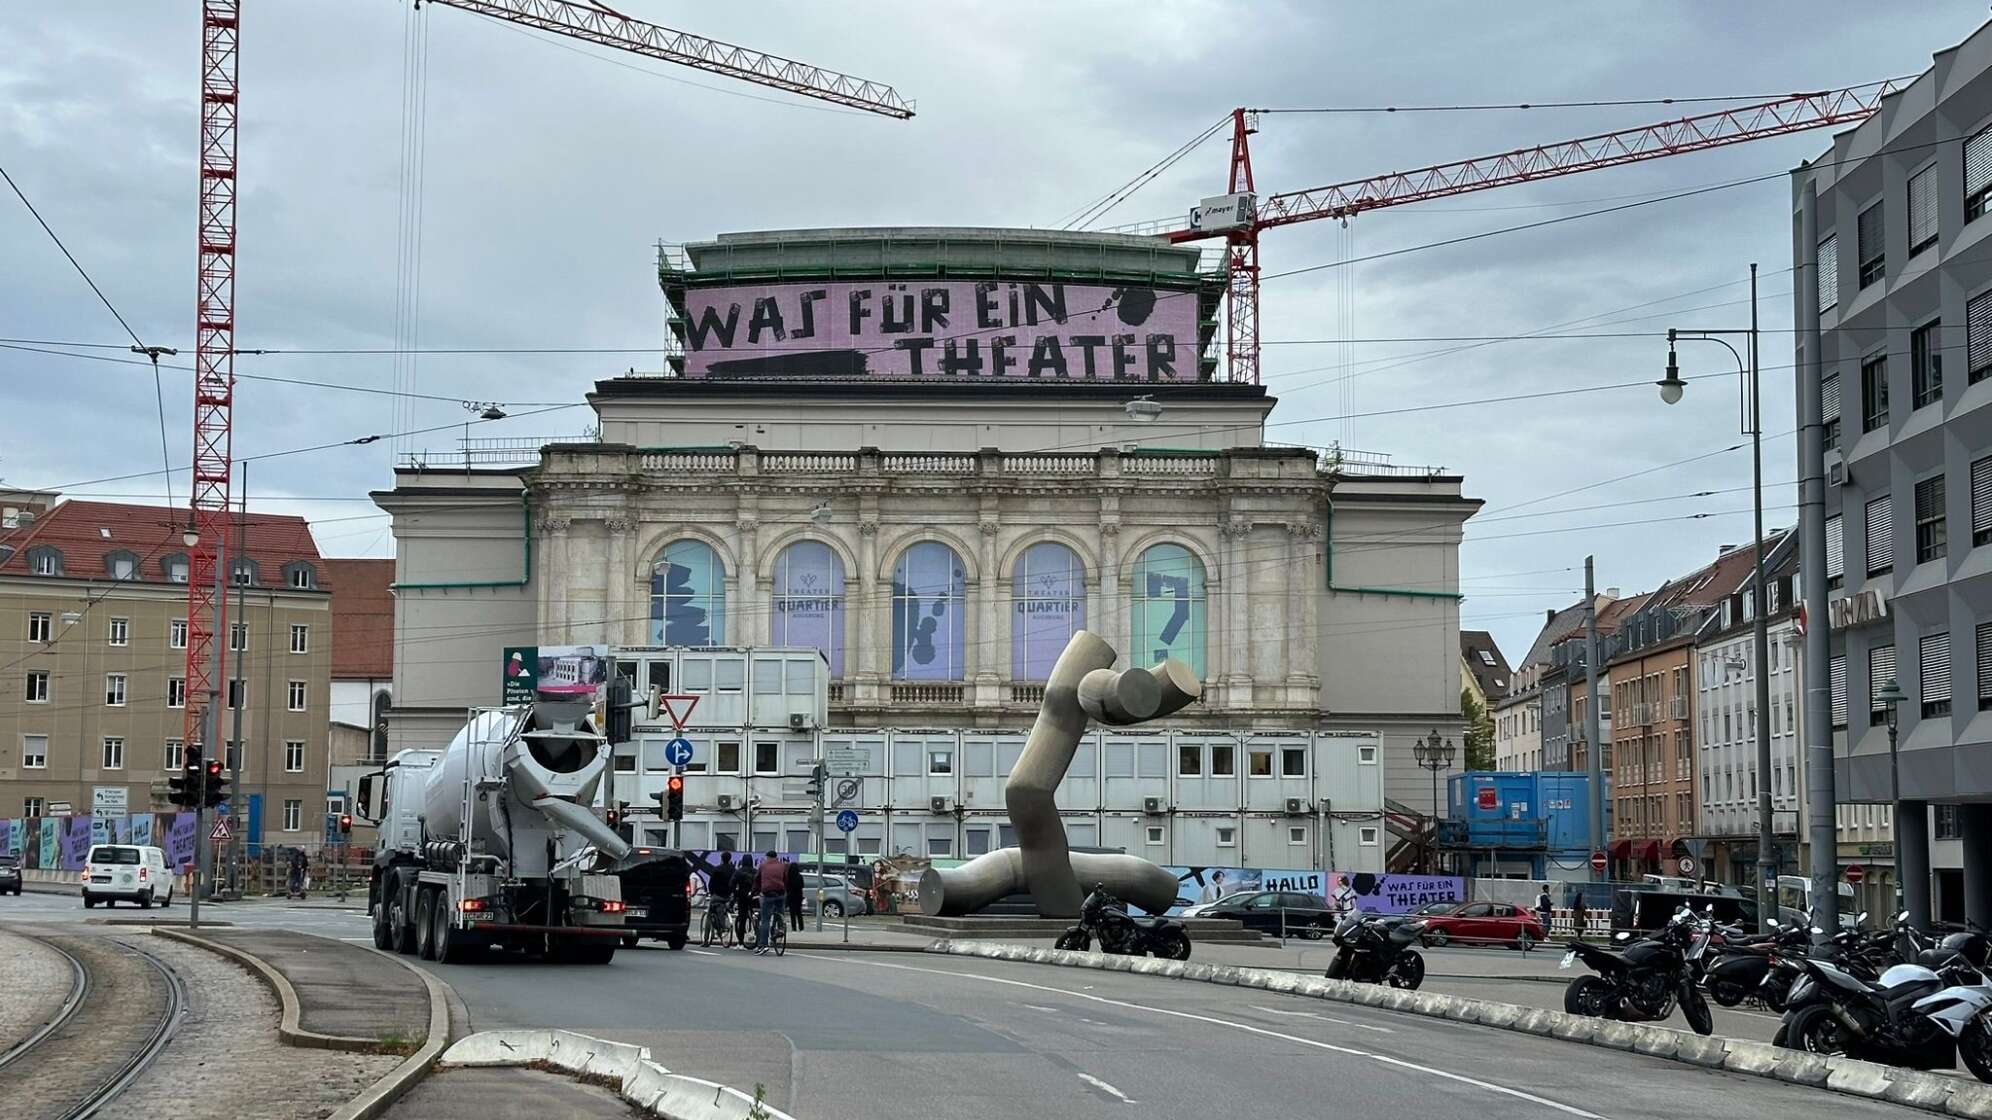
column 1103, row 918
column 1832, row 1011
column 1641, row 981
column 1376, row 949
column 1964, row 1011
column 1743, row 963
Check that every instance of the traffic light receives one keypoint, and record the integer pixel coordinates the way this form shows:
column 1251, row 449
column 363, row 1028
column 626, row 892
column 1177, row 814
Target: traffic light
column 187, row 786
column 816, row 775
column 619, row 710
column 217, row 784
column 345, row 824
column 674, row 797
column 613, row 817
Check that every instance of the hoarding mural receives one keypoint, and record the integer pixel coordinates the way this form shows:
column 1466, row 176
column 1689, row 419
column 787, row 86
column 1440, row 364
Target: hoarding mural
column 1398, row 894
column 1198, row 885
column 180, row 841
column 1048, row 599
column 76, row 833
column 10, row 838
column 688, row 596
column 928, row 588
column 944, row 329
column 1169, row 608
column 808, row 601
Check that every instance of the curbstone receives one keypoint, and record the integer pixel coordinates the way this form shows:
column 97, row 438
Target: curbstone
column 1970, row 1098
column 1574, row 1028
column 1499, row 1015
column 1917, row 1089
column 1760, row 1058
column 1656, row 1042
column 1224, row 974
column 1617, row 1036
column 1171, row 970
column 640, row 1081
column 1701, row 1050
column 1534, row 1020
column 1465, row 1010
column 1802, row 1069
column 1287, row 982
column 1861, row 1079
column 1197, row 972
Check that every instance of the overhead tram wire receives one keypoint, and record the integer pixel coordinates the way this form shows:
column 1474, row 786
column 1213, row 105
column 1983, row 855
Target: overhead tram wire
column 1594, row 103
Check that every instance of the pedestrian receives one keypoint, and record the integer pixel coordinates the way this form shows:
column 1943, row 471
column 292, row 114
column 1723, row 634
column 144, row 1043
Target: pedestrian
column 792, row 886
column 1345, row 899
column 773, row 880
column 1577, row 914
column 743, row 899
column 1543, row 907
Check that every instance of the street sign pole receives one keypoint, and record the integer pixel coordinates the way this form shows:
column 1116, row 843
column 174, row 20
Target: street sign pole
column 678, row 826
column 847, row 823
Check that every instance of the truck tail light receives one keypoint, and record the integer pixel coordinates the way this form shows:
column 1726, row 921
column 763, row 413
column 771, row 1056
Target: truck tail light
column 473, row 906
column 610, row 906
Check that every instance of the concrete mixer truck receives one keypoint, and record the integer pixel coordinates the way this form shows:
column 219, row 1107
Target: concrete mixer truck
column 492, row 841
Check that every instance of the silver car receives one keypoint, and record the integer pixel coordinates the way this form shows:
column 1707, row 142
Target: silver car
column 839, row 896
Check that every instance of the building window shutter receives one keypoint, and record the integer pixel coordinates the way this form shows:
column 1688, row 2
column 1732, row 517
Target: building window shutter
column 1933, row 657
column 1977, row 173
column 1981, row 501
column 1922, row 209
column 1868, row 235
column 1829, row 271
column 1984, row 665
column 1978, row 338
column 1829, row 398
column 1880, row 535
column 1839, row 678
column 1836, row 548
column 1881, row 670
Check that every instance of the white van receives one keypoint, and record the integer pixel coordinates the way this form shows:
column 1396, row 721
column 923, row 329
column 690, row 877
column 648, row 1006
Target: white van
column 129, row 872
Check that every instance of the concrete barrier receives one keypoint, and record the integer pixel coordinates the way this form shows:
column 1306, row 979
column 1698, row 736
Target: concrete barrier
column 1911, row 1088
column 640, row 1081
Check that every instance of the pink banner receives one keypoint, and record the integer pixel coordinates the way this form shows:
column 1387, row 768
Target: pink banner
column 942, row 329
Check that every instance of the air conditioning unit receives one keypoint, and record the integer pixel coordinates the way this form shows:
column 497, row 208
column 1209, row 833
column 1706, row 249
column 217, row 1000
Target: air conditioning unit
column 725, row 801
column 1153, row 805
column 937, row 804
column 1295, row 806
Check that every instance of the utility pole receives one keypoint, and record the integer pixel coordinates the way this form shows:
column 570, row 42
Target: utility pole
column 1820, row 796
column 1767, row 855
column 1596, row 755
column 821, row 777
column 210, row 725
column 240, row 838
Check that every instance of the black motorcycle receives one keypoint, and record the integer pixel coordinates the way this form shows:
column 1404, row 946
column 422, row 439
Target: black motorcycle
column 1641, row 981
column 1833, row 1011
column 1103, row 918
column 1743, row 964
column 1378, row 950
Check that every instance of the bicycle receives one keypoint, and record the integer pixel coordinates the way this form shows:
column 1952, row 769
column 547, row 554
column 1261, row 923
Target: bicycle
column 718, row 924
column 778, row 937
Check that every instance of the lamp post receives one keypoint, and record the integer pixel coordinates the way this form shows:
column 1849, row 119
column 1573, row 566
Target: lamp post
column 1889, row 697
column 1671, row 388
column 1433, row 755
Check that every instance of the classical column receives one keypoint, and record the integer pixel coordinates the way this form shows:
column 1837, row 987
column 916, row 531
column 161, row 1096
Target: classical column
column 1303, row 664
column 1109, row 623
column 556, row 573
column 1236, row 667
column 624, row 614
column 985, row 650
column 867, row 612
column 748, row 625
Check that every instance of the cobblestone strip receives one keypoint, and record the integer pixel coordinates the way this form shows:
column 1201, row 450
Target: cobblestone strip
column 36, row 981
column 118, row 1016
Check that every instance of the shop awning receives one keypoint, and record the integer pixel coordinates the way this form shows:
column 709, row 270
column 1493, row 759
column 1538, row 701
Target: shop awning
column 1622, row 849
column 1650, row 851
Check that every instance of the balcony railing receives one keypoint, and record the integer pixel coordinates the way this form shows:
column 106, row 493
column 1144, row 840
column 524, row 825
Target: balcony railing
column 927, row 693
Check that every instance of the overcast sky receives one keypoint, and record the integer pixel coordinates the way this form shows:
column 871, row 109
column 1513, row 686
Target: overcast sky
column 549, row 172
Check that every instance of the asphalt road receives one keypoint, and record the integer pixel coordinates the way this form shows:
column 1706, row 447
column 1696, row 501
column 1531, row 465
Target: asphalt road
column 833, row 1035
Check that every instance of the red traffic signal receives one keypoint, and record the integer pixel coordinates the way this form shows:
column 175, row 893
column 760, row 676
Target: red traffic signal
column 214, row 768
column 675, row 783
column 674, row 797
column 345, row 822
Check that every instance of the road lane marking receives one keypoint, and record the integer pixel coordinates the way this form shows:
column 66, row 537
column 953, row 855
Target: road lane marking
column 1247, row 1028
column 1106, row 1088
column 703, row 952
column 1041, row 1007
column 1323, row 1018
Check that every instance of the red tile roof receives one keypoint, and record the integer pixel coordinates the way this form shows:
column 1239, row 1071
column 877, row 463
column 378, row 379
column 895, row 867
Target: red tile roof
column 362, row 618
column 87, row 532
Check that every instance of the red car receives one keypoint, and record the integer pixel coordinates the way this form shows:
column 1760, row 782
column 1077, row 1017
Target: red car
column 1484, row 923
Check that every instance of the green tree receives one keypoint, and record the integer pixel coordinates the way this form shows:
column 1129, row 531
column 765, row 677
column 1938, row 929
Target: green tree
column 1479, row 732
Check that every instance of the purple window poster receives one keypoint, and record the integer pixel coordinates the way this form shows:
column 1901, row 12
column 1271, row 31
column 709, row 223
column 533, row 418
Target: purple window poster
column 10, row 840
column 809, row 601
column 180, row 841
column 1396, row 894
column 140, row 825
column 928, row 588
column 943, row 329
column 1048, row 605
column 75, row 842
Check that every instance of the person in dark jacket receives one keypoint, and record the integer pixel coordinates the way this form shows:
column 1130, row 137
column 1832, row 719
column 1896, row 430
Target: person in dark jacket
column 794, row 885
column 745, row 896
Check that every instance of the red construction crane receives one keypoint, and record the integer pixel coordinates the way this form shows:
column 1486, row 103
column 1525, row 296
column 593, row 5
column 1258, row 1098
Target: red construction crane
column 214, row 337
column 1240, row 215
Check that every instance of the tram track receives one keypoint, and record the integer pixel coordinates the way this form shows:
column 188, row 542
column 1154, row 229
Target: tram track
column 121, row 1012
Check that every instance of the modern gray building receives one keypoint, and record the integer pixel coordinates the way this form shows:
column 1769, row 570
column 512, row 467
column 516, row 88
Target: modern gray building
column 1904, row 348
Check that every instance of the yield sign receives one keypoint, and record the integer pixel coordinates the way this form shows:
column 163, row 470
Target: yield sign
column 678, row 708
column 222, row 830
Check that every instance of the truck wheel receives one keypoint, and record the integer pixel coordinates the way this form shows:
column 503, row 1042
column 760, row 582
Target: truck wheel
column 401, row 930
column 629, row 940
column 447, row 943
column 425, row 923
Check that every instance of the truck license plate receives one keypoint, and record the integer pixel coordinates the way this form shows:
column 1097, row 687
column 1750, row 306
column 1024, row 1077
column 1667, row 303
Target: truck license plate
column 1569, row 959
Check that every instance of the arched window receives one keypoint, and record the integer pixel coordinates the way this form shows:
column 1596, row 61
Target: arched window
column 808, row 601
column 1169, row 608
column 688, row 596
column 928, row 591
column 1048, row 596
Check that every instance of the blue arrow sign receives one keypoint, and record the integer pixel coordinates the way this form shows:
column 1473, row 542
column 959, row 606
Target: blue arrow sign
column 847, row 821
column 678, row 752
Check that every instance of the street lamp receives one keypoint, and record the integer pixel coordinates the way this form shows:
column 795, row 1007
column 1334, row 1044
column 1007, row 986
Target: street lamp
column 1889, row 697
column 1143, row 409
column 1433, row 755
column 1672, row 386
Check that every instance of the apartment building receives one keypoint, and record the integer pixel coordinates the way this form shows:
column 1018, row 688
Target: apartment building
column 93, row 694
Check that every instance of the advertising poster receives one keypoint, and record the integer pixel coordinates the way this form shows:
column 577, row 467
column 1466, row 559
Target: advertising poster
column 102, row 831
column 573, row 671
column 1397, row 894
column 140, row 825
column 10, row 843
column 75, row 842
column 1048, row 600
column 808, row 601
column 1198, row 885
column 1168, row 606
column 50, row 855
column 942, row 330
column 687, row 596
column 520, row 674
column 929, row 587
column 180, row 841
